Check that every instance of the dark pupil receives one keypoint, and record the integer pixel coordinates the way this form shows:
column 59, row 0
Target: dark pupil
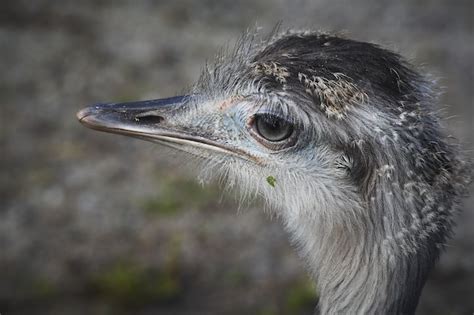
column 273, row 128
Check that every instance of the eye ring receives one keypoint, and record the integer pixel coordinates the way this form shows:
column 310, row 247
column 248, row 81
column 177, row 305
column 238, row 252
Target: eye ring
column 274, row 132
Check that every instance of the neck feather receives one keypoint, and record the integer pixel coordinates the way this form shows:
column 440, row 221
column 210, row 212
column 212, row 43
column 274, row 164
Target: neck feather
column 356, row 271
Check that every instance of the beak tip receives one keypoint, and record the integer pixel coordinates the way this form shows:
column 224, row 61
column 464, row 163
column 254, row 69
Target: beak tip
column 86, row 115
column 81, row 114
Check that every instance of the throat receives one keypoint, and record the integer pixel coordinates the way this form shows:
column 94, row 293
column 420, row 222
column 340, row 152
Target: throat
column 353, row 271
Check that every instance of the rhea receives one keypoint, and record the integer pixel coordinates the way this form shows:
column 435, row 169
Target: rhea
column 341, row 138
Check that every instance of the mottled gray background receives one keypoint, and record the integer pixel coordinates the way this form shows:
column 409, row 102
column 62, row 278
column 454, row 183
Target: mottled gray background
column 93, row 223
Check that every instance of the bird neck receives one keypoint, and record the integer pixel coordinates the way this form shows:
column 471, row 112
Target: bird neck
column 354, row 271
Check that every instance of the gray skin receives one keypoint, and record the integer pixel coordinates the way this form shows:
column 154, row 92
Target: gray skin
column 340, row 138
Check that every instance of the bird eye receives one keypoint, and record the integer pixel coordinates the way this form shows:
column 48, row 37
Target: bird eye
column 272, row 128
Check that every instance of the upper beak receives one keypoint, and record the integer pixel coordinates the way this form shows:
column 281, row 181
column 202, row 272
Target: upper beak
column 132, row 117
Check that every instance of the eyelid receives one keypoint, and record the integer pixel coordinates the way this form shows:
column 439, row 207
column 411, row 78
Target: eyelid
column 251, row 119
column 272, row 113
column 261, row 105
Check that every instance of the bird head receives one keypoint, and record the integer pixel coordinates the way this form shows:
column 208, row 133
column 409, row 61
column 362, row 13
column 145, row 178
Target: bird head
column 311, row 122
column 341, row 138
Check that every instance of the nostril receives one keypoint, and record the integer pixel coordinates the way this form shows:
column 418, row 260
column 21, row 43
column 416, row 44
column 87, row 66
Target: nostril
column 149, row 119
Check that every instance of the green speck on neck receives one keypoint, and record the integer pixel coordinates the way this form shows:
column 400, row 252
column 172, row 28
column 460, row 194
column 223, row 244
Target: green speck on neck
column 271, row 181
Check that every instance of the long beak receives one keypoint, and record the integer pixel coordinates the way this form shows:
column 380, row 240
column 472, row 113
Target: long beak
column 153, row 120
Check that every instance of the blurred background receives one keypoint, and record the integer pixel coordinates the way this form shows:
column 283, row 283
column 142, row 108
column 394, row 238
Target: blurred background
column 92, row 223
